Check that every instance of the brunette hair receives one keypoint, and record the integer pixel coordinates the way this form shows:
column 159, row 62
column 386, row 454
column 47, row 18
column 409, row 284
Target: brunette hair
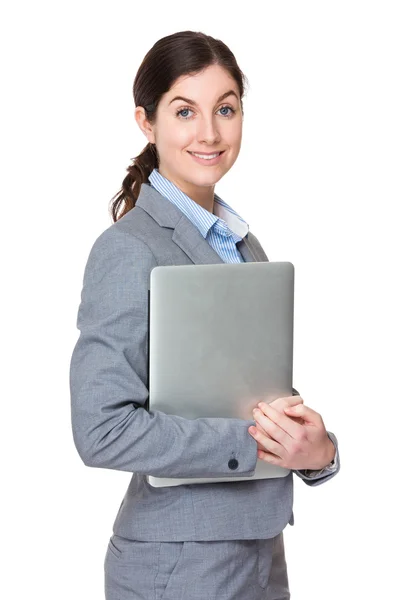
column 182, row 53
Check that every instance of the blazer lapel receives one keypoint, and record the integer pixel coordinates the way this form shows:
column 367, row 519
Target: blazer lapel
column 250, row 249
column 186, row 235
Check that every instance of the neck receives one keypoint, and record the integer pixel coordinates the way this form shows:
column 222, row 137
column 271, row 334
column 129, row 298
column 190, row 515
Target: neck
column 202, row 195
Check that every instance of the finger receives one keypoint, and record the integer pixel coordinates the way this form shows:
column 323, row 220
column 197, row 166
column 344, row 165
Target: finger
column 281, row 403
column 308, row 414
column 261, row 447
column 269, row 444
column 260, row 428
column 296, row 419
column 272, row 429
column 293, row 429
column 271, row 458
column 289, row 399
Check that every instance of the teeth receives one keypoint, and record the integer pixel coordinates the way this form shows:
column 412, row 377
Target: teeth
column 205, row 156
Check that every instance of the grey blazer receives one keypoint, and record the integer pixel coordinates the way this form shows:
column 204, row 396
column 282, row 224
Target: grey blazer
column 108, row 384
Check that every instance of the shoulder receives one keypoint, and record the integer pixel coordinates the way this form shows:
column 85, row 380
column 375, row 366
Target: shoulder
column 133, row 231
column 118, row 251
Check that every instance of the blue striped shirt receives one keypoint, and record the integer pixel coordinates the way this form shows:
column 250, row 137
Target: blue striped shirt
column 222, row 230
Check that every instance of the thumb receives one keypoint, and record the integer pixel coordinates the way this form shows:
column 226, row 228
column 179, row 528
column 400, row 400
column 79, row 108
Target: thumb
column 307, row 414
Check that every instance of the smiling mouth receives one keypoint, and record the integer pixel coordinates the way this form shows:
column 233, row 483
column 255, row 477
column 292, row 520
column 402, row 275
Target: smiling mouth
column 206, row 156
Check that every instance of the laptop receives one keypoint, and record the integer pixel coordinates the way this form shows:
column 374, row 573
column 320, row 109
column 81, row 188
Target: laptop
column 231, row 319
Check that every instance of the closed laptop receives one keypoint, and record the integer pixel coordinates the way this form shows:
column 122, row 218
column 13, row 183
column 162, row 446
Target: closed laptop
column 220, row 340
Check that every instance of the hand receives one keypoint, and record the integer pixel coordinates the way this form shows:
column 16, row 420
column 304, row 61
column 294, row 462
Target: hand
column 279, row 404
column 290, row 443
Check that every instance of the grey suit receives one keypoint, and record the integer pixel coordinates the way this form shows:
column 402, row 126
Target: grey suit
column 108, row 383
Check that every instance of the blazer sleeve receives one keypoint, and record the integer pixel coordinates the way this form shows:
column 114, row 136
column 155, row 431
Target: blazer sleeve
column 108, row 380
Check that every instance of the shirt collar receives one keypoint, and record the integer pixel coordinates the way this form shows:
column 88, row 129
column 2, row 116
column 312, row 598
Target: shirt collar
column 224, row 220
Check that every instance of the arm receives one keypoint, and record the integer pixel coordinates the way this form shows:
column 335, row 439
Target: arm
column 108, row 379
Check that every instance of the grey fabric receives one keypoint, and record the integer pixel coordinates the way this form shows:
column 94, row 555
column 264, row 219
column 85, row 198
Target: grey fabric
column 108, row 383
column 223, row 570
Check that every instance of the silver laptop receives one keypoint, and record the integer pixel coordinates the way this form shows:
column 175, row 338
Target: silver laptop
column 234, row 320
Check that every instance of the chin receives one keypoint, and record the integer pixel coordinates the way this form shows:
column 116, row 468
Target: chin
column 207, row 180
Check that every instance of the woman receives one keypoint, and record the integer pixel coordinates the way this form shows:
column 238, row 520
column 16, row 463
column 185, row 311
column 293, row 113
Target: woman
column 219, row 540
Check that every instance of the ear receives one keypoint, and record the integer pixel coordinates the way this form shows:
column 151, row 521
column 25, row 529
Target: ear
column 143, row 123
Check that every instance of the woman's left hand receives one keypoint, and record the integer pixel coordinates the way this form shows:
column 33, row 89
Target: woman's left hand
column 300, row 442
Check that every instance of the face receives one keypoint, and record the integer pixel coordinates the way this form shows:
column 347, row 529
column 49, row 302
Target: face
column 202, row 114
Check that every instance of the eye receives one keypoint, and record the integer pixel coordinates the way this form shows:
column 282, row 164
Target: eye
column 187, row 109
column 182, row 110
column 228, row 114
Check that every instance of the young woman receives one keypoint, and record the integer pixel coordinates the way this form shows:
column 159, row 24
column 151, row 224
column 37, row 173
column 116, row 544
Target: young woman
column 219, row 540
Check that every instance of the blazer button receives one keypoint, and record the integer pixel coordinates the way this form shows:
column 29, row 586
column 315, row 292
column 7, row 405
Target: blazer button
column 233, row 463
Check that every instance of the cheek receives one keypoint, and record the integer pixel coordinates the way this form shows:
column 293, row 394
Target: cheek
column 233, row 139
column 237, row 137
column 175, row 138
column 181, row 138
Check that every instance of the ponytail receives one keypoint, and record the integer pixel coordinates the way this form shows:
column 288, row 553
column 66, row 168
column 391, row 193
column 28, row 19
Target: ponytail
column 137, row 173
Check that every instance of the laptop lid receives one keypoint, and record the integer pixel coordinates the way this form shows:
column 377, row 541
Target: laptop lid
column 220, row 340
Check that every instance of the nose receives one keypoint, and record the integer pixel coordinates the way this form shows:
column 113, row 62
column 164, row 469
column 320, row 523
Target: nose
column 208, row 131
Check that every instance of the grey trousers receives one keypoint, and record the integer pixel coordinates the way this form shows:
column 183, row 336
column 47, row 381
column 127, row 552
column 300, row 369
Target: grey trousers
column 213, row 570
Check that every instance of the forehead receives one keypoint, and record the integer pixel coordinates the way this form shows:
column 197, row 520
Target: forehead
column 206, row 86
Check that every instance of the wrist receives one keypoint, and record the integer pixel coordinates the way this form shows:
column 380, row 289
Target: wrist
column 328, row 456
column 331, row 453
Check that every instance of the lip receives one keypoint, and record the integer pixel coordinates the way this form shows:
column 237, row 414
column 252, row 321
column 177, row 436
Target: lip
column 207, row 163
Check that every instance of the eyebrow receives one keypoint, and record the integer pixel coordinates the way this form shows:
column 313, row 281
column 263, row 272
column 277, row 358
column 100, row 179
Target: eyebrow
column 189, row 101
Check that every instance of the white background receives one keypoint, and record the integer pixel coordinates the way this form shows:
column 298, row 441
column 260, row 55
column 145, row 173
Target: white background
column 325, row 179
